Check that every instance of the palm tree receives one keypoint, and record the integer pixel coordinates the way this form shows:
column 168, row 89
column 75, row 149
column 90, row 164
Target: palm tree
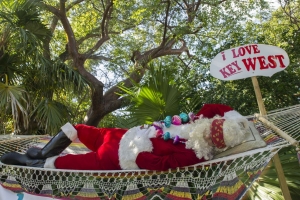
column 31, row 82
column 155, row 99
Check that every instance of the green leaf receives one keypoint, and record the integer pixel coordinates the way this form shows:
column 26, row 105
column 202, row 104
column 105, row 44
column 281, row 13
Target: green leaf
column 15, row 97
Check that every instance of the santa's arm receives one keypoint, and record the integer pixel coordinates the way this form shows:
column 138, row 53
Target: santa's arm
column 150, row 161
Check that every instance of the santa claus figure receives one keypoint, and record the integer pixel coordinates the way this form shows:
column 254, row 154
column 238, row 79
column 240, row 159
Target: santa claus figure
column 177, row 141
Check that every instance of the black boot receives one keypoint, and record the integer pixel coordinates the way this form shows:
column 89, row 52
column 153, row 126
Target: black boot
column 56, row 145
column 53, row 148
column 14, row 158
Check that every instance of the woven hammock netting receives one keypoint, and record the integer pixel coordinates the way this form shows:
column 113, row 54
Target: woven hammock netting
column 226, row 177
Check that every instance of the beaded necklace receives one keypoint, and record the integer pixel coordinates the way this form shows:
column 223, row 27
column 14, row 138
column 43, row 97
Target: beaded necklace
column 177, row 120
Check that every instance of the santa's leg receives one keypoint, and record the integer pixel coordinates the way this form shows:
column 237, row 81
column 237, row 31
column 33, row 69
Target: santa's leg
column 15, row 158
column 56, row 145
column 93, row 137
column 90, row 136
column 87, row 161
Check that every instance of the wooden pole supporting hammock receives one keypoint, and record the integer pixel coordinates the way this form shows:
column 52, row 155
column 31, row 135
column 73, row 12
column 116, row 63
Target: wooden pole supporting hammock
column 275, row 159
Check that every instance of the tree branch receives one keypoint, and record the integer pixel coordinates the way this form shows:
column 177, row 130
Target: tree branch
column 141, row 65
column 72, row 45
column 104, row 29
column 99, row 57
column 166, row 22
column 72, row 4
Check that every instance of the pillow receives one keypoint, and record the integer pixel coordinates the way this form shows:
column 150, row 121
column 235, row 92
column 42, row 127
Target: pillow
column 253, row 140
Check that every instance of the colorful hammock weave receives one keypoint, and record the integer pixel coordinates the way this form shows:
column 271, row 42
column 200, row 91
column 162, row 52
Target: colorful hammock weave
column 223, row 178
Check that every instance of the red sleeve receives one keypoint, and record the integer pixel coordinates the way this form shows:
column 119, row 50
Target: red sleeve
column 166, row 155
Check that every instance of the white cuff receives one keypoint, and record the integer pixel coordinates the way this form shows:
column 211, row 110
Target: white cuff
column 50, row 162
column 70, row 131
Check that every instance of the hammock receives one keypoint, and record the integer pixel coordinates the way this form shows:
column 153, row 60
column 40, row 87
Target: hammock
column 225, row 177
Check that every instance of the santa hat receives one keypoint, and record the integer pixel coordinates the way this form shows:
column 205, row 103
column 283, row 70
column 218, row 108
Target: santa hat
column 211, row 110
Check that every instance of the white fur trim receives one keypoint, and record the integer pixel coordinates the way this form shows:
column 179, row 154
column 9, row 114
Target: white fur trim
column 133, row 142
column 70, row 131
column 50, row 162
column 196, row 140
column 181, row 130
column 194, row 134
column 233, row 133
column 234, row 115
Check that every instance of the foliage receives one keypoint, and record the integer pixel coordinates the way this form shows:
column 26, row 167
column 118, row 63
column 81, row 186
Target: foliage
column 13, row 97
column 119, row 40
column 57, row 55
column 153, row 100
column 239, row 93
column 267, row 186
column 161, row 94
column 26, row 67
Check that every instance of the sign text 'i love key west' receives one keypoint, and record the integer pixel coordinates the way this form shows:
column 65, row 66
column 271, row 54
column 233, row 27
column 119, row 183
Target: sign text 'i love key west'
column 249, row 60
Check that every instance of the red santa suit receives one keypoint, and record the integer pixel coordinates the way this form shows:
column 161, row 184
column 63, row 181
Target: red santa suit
column 105, row 145
column 139, row 148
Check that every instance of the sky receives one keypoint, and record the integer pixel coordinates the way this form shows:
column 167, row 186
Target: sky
column 274, row 3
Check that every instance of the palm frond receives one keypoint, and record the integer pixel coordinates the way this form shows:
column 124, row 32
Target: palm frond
column 126, row 121
column 8, row 67
column 26, row 30
column 51, row 115
column 15, row 97
column 154, row 100
column 66, row 76
column 267, row 186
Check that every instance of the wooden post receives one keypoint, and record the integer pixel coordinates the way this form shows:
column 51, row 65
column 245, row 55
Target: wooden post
column 275, row 159
column 260, row 102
